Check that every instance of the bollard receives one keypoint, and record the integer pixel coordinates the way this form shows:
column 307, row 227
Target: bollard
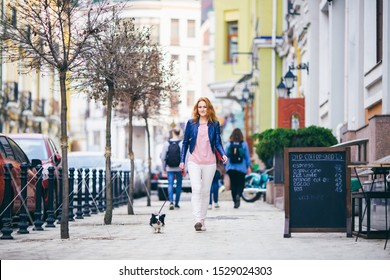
column 124, row 187
column 59, row 199
column 113, row 188
column 100, row 191
column 8, row 197
column 38, row 200
column 121, row 184
column 79, row 212
column 127, row 185
column 71, row 194
column 87, row 211
column 94, row 198
column 50, row 209
column 23, row 224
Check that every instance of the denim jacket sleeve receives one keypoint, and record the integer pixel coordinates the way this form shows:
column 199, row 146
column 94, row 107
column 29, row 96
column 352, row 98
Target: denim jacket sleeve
column 218, row 141
column 186, row 141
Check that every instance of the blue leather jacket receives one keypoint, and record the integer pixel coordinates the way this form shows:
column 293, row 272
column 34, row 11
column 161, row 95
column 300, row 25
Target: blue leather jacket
column 191, row 133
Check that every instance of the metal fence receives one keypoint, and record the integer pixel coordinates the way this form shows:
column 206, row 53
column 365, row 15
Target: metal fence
column 87, row 196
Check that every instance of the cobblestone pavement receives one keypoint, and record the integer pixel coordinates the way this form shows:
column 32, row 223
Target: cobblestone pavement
column 252, row 232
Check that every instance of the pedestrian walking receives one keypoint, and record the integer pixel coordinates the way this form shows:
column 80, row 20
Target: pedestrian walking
column 214, row 191
column 238, row 164
column 202, row 138
column 170, row 157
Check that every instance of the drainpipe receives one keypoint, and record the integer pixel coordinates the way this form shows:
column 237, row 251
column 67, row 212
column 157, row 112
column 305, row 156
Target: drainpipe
column 273, row 66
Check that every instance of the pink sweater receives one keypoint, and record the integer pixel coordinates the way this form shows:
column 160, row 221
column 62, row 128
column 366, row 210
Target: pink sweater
column 202, row 153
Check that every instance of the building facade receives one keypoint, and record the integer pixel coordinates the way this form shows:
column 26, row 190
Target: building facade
column 175, row 25
column 29, row 100
column 246, row 62
column 339, row 53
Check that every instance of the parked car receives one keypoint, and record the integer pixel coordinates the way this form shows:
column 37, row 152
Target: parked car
column 86, row 159
column 162, row 187
column 156, row 174
column 139, row 174
column 11, row 153
column 41, row 146
column 96, row 160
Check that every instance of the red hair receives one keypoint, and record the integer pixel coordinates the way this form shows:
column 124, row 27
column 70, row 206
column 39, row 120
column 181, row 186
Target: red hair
column 211, row 116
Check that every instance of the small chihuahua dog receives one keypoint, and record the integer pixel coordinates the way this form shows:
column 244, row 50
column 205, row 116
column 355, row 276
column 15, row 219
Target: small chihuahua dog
column 157, row 222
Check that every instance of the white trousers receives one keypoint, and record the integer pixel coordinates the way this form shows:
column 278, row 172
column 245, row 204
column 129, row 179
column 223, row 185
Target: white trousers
column 201, row 177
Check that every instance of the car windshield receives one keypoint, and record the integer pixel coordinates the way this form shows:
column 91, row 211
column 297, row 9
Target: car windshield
column 34, row 148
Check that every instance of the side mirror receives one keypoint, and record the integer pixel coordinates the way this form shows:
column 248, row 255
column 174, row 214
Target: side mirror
column 57, row 159
column 35, row 162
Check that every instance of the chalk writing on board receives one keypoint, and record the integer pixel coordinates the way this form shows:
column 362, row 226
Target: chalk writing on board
column 306, row 175
column 317, row 157
column 316, row 186
column 338, row 178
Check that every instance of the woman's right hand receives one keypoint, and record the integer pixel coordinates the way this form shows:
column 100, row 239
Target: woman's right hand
column 181, row 165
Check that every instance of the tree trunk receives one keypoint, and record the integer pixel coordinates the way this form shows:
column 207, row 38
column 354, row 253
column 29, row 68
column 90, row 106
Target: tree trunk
column 108, row 214
column 130, row 208
column 64, row 150
column 148, row 187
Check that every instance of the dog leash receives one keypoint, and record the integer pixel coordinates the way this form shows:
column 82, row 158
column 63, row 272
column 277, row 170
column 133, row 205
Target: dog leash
column 162, row 207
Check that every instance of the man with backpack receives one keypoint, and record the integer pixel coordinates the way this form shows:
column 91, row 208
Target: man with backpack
column 170, row 157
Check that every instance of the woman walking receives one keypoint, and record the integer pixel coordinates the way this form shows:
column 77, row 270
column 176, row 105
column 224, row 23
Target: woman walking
column 202, row 137
column 238, row 164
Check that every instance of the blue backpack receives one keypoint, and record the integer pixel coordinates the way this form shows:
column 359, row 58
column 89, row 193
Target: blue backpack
column 236, row 152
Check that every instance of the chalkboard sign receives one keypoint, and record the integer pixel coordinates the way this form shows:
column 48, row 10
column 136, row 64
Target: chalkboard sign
column 317, row 190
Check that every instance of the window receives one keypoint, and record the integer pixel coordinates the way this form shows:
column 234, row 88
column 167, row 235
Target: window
column 191, row 63
column 34, row 148
column 191, row 28
column 13, row 17
column 28, row 32
column 175, row 62
column 175, row 58
column 19, row 155
column 152, row 23
column 190, row 97
column 232, row 40
column 174, row 32
column 174, row 104
column 96, row 138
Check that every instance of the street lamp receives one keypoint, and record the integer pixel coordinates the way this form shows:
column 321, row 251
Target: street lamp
column 247, row 103
column 281, row 89
column 289, row 79
column 285, row 87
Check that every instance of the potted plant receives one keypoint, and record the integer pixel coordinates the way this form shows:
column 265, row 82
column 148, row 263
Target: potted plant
column 270, row 144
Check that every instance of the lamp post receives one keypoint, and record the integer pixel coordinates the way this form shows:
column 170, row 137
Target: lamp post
column 281, row 89
column 290, row 110
column 289, row 79
column 247, row 103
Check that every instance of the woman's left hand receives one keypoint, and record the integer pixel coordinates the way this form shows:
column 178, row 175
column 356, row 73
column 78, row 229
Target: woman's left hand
column 224, row 159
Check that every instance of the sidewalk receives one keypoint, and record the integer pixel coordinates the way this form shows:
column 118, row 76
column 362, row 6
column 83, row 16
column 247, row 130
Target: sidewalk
column 252, row 232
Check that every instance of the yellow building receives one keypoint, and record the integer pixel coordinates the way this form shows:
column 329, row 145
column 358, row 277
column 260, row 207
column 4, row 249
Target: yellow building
column 247, row 67
column 29, row 99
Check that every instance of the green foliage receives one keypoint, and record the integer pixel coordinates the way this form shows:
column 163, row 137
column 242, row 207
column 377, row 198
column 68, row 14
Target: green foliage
column 272, row 141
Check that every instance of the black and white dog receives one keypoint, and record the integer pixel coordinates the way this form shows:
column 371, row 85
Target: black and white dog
column 157, row 222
